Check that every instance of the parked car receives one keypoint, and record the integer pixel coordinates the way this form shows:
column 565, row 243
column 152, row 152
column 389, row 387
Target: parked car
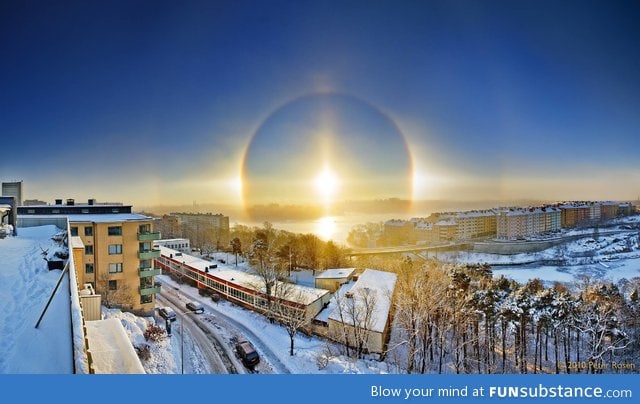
column 167, row 313
column 247, row 353
column 195, row 307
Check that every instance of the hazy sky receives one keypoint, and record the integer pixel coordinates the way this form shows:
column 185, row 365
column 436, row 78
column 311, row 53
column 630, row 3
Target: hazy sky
column 156, row 102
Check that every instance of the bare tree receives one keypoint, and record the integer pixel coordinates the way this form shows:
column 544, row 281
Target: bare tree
column 356, row 317
column 119, row 296
column 285, row 307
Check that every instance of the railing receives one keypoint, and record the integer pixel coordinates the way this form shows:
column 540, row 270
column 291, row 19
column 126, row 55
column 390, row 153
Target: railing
column 149, row 236
column 149, row 290
column 148, row 254
column 147, row 272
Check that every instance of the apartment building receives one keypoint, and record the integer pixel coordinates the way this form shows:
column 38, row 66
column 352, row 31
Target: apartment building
column 204, row 229
column 574, row 214
column 608, row 210
column 520, row 223
column 472, row 224
column 113, row 249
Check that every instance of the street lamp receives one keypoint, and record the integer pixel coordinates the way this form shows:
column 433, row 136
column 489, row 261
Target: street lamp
column 182, row 313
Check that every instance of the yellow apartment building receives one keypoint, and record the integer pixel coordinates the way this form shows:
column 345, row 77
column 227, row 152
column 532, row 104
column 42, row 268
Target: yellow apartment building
column 113, row 250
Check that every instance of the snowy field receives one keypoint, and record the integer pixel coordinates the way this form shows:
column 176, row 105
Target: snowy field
column 608, row 258
column 25, row 286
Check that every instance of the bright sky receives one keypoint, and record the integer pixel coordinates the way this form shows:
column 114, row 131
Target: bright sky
column 154, row 102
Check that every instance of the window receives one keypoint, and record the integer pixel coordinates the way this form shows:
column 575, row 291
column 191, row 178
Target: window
column 88, row 268
column 146, row 299
column 145, row 264
column 31, row 211
column 115, row 268
column 88, row 250
column 88, row 231
column 74, row 231
column 115, row 249
column 144, row 228
column 113, row 285
column 115, row 230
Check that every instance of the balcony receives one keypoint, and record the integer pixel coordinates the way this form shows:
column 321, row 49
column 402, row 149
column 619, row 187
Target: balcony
column 149, row 236
column 149, row 254
column 149, row 290
column 147, row 272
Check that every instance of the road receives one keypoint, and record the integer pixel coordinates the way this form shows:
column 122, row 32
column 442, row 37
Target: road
column 216, row 358
column 225, row 329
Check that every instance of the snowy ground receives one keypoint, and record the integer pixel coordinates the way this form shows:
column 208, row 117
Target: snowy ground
column 611, row 258
column 25, row 286
column 312, row 355
column 606, row 258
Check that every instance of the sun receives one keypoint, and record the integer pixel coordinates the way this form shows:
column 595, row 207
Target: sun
column 327, row 184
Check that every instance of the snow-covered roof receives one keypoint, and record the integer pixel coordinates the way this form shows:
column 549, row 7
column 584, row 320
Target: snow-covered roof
column 171, row 240
column 111, row 349
column 76, row 242
column 96, row 218
column 301, row 294
column 395, row 222
column 336, row 273
column 446, row 223
column 528, row 211
column 380, row 285
column 424, row 226
column 475, row 213
column 24, row 291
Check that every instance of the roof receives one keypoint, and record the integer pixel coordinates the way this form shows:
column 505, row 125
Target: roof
column 302, row 294
column 396, row 222
column 96, row 218
column 171, row 240
column 446, row 223
column 111, row 349
column 371, row 282
column 76, row 242
column 334, row 273
column 24, row 292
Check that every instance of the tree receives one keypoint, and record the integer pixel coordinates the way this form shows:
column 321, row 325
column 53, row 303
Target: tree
column 115, row 293
column 292, row 316
column 236, row 247
column 260, row 248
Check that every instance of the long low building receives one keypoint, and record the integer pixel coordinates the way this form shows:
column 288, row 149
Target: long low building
column 243, row 288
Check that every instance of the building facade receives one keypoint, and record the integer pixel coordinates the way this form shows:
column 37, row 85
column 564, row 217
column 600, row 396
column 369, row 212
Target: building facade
column 13, row 189
column 204, row 230
column 117, row 255
column 521, row 223
column 178, row 244
column 243, row 288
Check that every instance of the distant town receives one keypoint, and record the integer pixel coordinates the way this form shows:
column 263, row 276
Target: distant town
column 500, row 224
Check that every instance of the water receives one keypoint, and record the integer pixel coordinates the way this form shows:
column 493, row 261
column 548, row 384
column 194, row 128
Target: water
column 334, row 228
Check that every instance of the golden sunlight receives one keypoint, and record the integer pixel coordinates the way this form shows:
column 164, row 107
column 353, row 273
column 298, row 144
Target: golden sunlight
column 325, row 227
column 327, row 184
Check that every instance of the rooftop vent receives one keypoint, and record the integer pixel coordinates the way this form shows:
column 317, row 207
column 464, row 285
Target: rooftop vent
column 70, row 202
column 91, row 202
column 58, row 201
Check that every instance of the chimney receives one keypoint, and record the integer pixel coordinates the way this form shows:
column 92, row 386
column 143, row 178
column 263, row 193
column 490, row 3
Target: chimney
column 70, row 202
column 58, row 201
